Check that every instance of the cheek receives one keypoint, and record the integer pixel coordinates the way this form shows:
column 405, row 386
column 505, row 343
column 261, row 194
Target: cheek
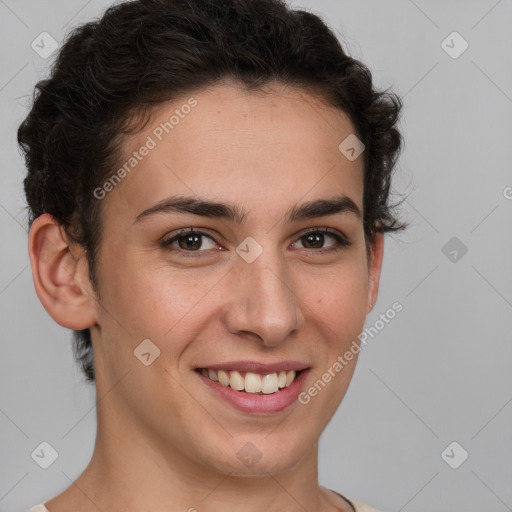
column 339, row 298
column 156, row 301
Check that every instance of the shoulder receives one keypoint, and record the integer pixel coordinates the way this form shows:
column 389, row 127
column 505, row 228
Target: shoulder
column 359, row 506
column 363, row 507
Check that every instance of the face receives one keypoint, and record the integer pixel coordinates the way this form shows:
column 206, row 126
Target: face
column 275, row 280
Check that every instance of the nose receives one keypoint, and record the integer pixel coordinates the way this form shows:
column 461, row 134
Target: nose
column 263, row 301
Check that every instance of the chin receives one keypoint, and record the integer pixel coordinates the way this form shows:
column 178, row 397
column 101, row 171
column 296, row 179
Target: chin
column 259, row 457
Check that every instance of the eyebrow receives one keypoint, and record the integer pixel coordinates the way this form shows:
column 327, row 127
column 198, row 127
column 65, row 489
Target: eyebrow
column 233, row 213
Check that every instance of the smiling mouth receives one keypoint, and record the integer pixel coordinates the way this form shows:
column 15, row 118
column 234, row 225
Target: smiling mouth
column 249, row 382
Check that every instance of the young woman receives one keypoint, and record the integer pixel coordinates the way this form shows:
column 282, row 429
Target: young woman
column 208, row 184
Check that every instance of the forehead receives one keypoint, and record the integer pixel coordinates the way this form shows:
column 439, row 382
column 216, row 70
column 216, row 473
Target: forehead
column 269, row 148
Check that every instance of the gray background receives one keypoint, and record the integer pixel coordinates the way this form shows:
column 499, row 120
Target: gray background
column 439, row 372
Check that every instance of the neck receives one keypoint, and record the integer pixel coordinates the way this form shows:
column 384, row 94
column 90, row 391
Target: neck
column 133, row 469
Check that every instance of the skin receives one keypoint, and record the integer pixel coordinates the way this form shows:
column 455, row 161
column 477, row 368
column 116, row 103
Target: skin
column 164, row 442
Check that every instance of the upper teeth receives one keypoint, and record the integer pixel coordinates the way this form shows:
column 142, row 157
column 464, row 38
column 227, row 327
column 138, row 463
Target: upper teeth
column 252, row 382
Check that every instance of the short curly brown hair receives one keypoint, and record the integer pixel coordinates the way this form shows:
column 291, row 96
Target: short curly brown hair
column 110, row 74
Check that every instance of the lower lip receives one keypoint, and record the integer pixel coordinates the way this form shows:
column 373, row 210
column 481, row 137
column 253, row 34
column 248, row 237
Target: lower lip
column 255, row 403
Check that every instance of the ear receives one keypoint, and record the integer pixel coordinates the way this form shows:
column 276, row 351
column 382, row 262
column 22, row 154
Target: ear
column 376, row 257
column 60, row 274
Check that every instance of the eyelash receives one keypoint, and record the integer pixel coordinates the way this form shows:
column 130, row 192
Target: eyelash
column 341, row 241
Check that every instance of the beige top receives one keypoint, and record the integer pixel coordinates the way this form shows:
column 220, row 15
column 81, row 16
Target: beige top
column 359, row 506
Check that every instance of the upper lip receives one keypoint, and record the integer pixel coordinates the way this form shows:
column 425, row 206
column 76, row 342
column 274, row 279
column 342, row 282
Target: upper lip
column 256, row 367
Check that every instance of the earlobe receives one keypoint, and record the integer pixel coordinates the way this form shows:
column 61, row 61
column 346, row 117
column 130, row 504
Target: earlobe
column 375, row 269
column 60, row 275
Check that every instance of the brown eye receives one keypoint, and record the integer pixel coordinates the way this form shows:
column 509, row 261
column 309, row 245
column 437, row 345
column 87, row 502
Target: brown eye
column 315, row 239
column 191, row 242
column 188, row 241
